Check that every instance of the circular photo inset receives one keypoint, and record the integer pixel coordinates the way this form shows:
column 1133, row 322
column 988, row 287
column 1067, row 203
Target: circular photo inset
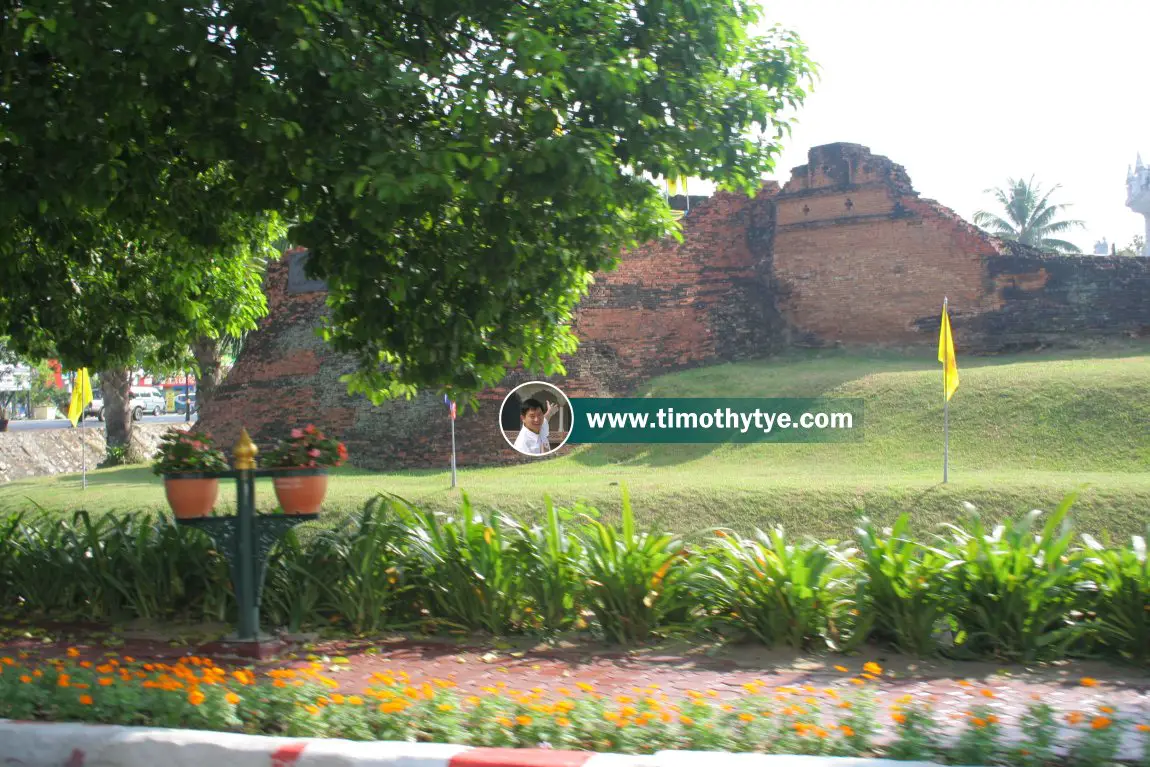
column 536, row 418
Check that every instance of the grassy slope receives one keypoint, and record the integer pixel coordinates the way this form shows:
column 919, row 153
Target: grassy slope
column 1025, row 430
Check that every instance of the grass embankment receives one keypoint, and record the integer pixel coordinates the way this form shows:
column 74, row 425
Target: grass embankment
column 1025, row 429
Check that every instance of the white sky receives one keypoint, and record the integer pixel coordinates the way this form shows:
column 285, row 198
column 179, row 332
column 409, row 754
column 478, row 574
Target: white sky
column 966, row 94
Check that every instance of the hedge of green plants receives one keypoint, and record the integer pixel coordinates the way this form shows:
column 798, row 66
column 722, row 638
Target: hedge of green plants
column 1029, row 589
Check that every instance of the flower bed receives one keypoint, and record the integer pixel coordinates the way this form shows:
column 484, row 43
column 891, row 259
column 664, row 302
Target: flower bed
column 195, row 693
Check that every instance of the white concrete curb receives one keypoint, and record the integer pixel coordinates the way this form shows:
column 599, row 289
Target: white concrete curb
column 38, row 744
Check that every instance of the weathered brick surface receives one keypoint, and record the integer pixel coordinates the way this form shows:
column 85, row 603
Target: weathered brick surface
column 845, row 252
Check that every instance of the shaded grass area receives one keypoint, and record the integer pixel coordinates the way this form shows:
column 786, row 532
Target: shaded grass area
column 1025, row 429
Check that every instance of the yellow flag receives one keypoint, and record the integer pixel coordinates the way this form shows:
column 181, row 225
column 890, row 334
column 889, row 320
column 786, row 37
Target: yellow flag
column 946, row 356
column 81, row 396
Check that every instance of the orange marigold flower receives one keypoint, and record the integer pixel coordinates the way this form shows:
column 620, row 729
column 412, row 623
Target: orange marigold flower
column 523, row 721
column 355, row 700
column 842, row 669
column 747, row 717
column 872, row 668
column 106, row 681
column 1088, row 682
column 232, row 698
column 686, row 720
column 563, row 721
column 899, row 718
column 1143, row 728
column 856, row 680
column 86, row 700
column 129, row 659
column 847, row 731
column 83, row 663
column 1100, row 722
column 64, row 681
column 73, row 652
column 25, row 679
column 987, row 692
column 1074, row 717
column 1106, row 709
column 7, row 661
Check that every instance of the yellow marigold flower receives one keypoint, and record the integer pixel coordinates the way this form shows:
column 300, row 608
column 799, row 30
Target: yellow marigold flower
column 686, row 720
column 232, row 698
column 313, row 710
column 337, row 698
column 869, row 677
column 355, row 700
column 1100, row 722
column 563, row 721
column 628, row 711
column 625, row 699
column 747, row 717
column 106, row 681
column 86, row 700
column 1088, row 682
column 393, row 706
column 872, row 668
column 473, row 701
column 585, row 687
column 841, row 669
column 523, row 721
column 856, row 680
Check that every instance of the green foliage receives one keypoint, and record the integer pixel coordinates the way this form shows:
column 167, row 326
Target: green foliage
column 1017, row 588
column 1122, row 605
column 1030, row 217
column 306, row 448
column 470, row 566
column 1039, row 736
column 905, row 587
column 188, row 451
column 979, row 742
column 457, row 172
column 634, row 581
column 916, row 734
column 549, row 557
column 775, row 590
column 395, row 566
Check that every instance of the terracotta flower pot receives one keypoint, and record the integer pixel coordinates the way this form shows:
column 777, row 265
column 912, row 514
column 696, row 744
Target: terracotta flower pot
column 301, row 494
column 191, row 497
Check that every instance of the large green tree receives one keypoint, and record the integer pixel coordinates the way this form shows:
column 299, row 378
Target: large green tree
column 1027, row 216
column 458, row 168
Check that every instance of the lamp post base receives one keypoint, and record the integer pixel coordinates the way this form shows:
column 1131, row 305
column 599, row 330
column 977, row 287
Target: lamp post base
column 266, row 647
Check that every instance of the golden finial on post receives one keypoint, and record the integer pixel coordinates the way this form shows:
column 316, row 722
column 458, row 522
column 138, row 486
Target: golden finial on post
column 245, row 452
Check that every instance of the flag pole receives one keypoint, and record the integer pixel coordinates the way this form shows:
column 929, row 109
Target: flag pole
column 945, row 400
column 453, row 453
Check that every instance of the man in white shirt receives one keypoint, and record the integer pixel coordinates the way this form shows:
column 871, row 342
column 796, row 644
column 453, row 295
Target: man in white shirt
column 532, row 438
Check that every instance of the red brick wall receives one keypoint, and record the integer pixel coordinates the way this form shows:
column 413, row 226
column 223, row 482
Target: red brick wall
column 846, row 252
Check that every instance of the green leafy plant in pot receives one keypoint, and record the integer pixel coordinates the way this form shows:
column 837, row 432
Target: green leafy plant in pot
column 185, row 460
column 309, row 453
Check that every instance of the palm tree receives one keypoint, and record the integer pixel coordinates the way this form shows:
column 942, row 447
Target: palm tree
column 1030, row 217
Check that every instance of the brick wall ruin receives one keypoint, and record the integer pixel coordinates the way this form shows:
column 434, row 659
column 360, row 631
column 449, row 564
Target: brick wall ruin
column 845, row 252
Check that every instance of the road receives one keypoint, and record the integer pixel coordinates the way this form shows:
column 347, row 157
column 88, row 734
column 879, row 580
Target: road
column 90, row 423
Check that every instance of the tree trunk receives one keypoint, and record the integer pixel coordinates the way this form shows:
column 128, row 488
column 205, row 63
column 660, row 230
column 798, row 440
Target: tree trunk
column 209, row 364
column 116, row 386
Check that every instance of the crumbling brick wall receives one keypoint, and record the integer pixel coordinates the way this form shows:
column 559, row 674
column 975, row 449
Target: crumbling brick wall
column 845, row 252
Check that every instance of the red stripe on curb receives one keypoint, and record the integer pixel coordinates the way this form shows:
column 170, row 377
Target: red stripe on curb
column 288, row 755
column 519, row 757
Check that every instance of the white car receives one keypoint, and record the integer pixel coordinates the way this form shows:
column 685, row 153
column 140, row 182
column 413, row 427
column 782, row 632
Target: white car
column 145, row 399
column 141, row 400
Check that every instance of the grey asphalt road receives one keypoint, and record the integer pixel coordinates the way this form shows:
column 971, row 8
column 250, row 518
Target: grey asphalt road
column 89, row 423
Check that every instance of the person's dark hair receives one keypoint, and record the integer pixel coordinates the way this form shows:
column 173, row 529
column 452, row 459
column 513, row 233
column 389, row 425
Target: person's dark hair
column 530, row 405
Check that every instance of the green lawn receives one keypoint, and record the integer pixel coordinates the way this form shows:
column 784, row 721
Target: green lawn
column 1025, row 430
